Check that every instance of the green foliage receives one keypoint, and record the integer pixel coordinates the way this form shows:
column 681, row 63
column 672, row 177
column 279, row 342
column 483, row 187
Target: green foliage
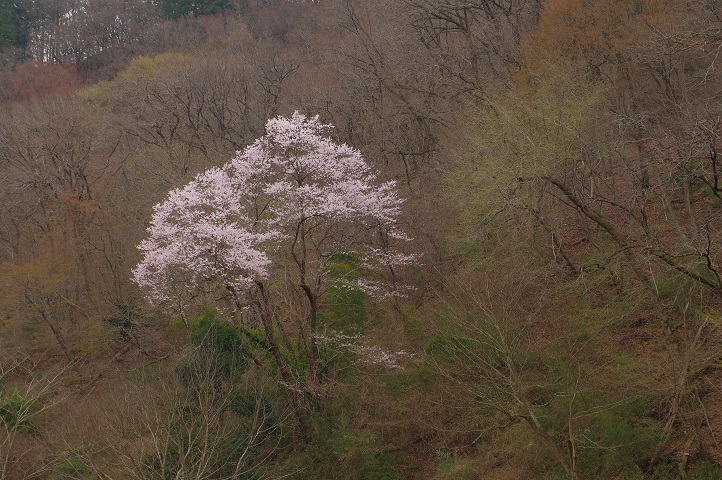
column 705, row 470
column 147, row 67
column 246, row 403
column 209, row 441
column 568, row 371
column 295, row 360
column 340, row 451
column 444, row 461
column 556, row 474
column 438, row 345
column 344, row 306
column 223, row 416
column 525, row 136
column 206, row 330
column 126, row 320
column 448, row 468
column 124, row 317
column 17, row 408
column 343, row 311
column 184, row 8
column 256, row 336
column 619, row 440
column 71, row 467
column 31, row 328
column 403, row 382
column 176, row 326
column 615, row 437
column 142, row 68
column 220, row 352
column 13, row 28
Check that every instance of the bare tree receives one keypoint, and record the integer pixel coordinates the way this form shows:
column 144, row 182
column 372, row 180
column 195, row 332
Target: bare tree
column 26, row 394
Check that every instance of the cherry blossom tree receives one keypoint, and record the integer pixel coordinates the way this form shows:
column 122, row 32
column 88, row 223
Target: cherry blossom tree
column 269, row 222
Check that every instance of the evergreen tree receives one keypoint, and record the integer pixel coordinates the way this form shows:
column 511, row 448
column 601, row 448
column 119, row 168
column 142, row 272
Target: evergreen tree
column 13, row 28
column 184, row 8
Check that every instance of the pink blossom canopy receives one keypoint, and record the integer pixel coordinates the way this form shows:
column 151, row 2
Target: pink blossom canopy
column 229, row 223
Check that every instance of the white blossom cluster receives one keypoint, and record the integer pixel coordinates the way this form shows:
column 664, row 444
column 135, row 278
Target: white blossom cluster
column 366, row 354
column 230, row 223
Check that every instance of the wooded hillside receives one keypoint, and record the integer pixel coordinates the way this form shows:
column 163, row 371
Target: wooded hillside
column 343, row 239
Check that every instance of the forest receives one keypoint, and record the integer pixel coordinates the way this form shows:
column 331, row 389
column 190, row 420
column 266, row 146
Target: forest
column 361, row 240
